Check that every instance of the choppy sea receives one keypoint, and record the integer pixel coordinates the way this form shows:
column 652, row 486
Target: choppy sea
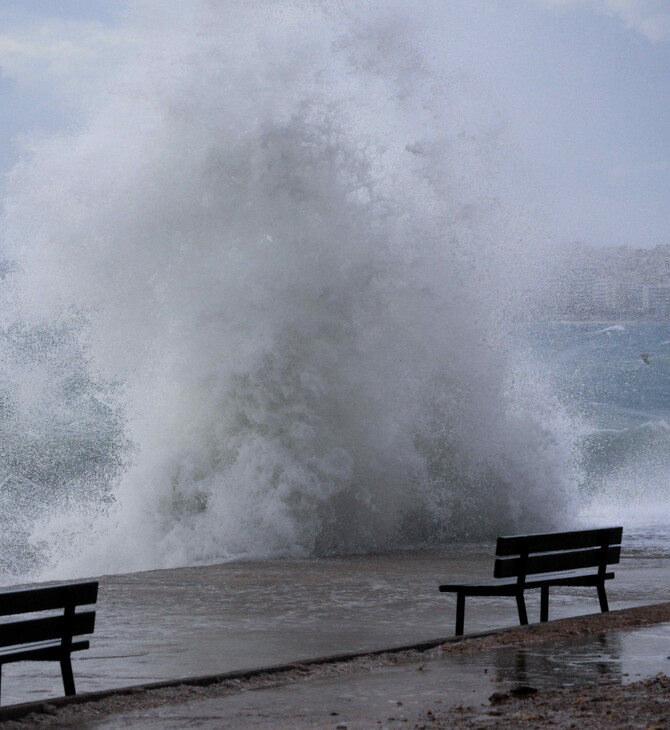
column 163, row 624
column 619, row 404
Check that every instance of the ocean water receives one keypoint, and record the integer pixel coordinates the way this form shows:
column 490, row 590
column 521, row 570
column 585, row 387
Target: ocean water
column 264, row 299
column 620, row 406
column 590, row 447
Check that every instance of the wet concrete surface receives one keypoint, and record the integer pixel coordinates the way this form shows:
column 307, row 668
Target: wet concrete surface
column 396, row 696
column 162, row 625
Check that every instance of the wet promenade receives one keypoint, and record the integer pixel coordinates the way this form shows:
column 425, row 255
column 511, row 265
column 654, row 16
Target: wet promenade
column 164, row 625
column 395, row 696
column 411, row 688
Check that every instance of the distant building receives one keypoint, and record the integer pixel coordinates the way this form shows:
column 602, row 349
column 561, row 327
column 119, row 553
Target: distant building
column 615, row 283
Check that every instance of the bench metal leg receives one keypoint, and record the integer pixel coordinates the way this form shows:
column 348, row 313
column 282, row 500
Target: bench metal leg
column 544, row 603
column 460, row 613
column 68, row 677
column 521, row 605
column 602, row 597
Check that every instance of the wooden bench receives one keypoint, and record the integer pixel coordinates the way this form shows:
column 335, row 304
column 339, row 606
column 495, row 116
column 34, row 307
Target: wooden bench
column 577, row 558
column 49, row 637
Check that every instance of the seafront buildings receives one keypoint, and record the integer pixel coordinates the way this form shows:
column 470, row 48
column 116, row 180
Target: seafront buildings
column 610, row 283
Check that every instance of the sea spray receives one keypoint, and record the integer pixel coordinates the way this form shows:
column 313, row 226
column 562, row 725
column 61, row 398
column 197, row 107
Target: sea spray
column 622, row 404
column 286, row 257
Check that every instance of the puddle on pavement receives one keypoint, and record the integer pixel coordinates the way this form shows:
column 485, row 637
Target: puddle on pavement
column 613, row 657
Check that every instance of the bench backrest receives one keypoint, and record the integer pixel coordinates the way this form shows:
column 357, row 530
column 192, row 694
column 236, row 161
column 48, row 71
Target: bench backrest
column 49, row 598
column 557, row 551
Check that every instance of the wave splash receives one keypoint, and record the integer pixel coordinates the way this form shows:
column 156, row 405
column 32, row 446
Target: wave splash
column 282, row 263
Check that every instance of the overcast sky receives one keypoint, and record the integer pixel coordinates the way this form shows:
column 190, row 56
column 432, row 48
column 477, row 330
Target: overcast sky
column 584, row 85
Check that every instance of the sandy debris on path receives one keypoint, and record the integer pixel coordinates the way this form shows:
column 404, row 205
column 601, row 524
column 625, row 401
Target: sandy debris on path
column 644, row 704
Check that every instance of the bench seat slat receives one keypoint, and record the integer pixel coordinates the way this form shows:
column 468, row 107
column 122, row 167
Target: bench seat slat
column 51, row 651
column 551, row 541
column 509, row 587
column 47, row 598
column 547, row 562
column 44, row 629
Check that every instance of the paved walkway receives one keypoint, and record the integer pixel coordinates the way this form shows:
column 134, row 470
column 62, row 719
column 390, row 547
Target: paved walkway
column 395, row 690
column 400, row 695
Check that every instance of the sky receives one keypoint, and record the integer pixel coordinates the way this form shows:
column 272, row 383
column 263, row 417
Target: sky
column 583, row 87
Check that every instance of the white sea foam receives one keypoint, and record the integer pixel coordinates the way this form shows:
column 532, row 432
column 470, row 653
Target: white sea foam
column 285, row 263
column 613, row 328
